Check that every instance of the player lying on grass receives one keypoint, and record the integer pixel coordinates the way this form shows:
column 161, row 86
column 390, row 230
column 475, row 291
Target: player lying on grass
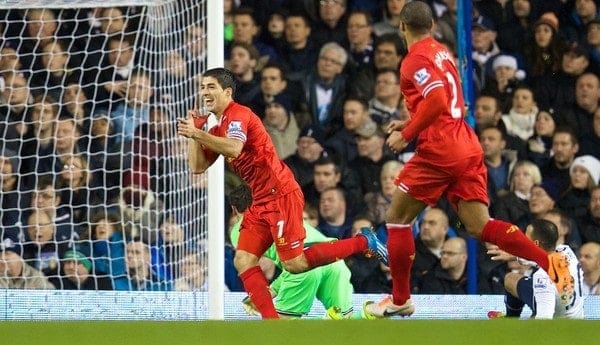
column 534, row 287
column 295, row 293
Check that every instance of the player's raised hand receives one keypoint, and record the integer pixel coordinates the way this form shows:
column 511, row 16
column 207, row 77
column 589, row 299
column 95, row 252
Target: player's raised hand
column 395, row 125
column 186, row 125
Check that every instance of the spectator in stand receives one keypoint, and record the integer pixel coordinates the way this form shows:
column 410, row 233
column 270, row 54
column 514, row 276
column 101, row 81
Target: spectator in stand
column 107, row 239
column 485, row 49
column 46, row 197
column 520, row 119
column 391, row 18
column 372, row 155
column 565, row 146
column 332, row 23
column 45, row 243
column 75, row 185
column 343, row 143
column 590, row 143
column 9, row 58
column 139, row 206
column 77, row 273
column 433, row 232
column 515, row 204
column 193, row 272
column 584, row 176
column 108, row 79
column 300, row 53
column 498, row 163
column 368, row 275
column 107, row 157
column 54, row 70
column 445, row 22
column 589, row 224
column 275, row 29
column 539, row 145
column 360, row 39
column 387, row 103
column 542, row 200
column 14, row 104
column 327, row 173
column 41, row 27
column 67, row 141
column 15, row 273
column 242, row 62
column 229, row 8
column 567, row 229
column 135, row 109
column 507, row 77
column 172, row 245
column 311, row 141
column 77, row 104
column 587, row 100
column 335, row 221
column 589, row 259
column 583, row 12
column 139, row 270
column 543, row 54
column 273, row 81
column 281, row 125
column 325, row 87
column 12, row 192
column 555, row 90
column 592, row 42
column 378, row 202
column 449, row 277
column 246, row 29
column 194, row 47
column 43, row 115
column 517, row 25
column 389, row 50
column 487, row 113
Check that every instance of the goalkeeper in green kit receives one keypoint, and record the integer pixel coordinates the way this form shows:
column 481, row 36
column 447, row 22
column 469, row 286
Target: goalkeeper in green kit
column 295, row 293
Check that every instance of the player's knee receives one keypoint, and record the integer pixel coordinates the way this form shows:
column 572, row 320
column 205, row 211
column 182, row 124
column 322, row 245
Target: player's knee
column 295, row 265
column 244, row 260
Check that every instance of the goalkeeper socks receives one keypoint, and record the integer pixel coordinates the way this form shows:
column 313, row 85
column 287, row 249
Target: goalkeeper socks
column 401, row 254
column 512, row 240
column 327, row 252
column 514, row 306
column 257, row 287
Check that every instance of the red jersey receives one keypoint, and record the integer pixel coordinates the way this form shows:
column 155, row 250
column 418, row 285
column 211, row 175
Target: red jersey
column 258, row 163
column 427, row 66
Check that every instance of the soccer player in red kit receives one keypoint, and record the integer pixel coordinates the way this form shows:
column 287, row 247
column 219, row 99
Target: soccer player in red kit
column 275, row 215
column 448, row 162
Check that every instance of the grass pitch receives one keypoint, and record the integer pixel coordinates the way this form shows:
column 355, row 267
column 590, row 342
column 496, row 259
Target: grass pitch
column 302, row 332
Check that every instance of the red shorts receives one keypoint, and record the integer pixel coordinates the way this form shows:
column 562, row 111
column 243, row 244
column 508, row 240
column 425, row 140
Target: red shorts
column 278, row 221
column 464, row 179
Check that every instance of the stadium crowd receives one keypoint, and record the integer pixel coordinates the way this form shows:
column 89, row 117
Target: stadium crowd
column 86, row 135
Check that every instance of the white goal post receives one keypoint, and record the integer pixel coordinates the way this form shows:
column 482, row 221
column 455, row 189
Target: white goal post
column 90, row 93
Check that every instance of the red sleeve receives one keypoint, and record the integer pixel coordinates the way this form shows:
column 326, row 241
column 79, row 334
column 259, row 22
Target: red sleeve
column 428, row 111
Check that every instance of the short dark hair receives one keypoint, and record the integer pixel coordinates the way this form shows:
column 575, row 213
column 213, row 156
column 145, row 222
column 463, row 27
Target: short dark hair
column 545, row 232
column 240, row 197
column 225, row 77
column 417, row 17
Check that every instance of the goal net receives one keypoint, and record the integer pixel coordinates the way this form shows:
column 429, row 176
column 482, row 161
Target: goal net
column 96, row 190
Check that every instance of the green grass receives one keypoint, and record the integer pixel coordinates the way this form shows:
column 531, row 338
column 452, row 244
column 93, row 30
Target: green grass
column 302, row 332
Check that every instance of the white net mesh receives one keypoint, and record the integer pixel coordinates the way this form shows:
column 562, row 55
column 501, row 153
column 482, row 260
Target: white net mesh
column 90, row 157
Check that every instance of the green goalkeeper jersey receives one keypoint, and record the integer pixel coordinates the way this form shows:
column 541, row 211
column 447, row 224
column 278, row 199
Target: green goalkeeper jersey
column 295, row 293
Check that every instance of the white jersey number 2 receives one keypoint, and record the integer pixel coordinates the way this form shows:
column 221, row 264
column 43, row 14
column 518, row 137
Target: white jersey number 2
column 455, row 111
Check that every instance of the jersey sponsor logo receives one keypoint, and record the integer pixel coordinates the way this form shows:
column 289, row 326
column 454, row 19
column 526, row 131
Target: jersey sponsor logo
column 512, row 229
column 540, row 283
column 421, row 76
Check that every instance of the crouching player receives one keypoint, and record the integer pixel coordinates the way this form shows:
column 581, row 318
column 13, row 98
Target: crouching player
column 534, row 287
column 295, row 293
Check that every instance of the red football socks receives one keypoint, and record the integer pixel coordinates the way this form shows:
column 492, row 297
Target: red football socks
column 257, row 287
column 327, row 252
column 512, row 240
column 401, row 254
